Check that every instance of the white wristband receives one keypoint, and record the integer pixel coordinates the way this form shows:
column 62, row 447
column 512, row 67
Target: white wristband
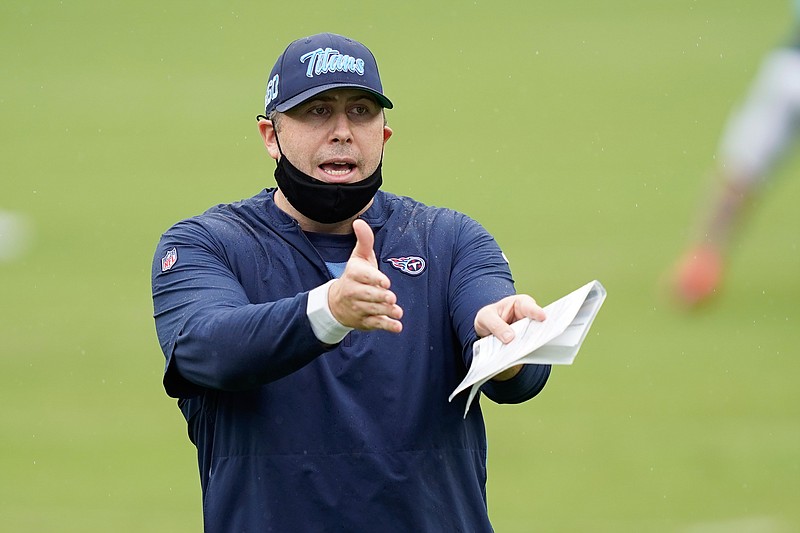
column 325, row 327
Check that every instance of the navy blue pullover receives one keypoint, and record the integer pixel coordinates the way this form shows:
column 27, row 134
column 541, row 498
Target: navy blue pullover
column 295, row 435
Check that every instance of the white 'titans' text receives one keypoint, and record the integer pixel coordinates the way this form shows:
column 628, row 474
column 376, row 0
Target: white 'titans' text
column 329, row 60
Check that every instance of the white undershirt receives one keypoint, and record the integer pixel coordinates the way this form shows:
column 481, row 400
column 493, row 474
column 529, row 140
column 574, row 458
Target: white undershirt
column 325, row 327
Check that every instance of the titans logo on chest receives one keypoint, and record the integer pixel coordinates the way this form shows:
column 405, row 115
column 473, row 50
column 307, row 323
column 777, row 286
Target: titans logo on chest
column 412, row 265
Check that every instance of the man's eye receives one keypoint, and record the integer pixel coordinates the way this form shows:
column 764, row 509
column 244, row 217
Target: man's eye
column 318, row 110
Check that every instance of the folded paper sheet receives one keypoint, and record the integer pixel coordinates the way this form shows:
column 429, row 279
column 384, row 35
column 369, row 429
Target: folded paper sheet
column 555, row 341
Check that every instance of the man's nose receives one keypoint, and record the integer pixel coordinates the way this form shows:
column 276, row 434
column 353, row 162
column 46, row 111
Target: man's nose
column 341, row 129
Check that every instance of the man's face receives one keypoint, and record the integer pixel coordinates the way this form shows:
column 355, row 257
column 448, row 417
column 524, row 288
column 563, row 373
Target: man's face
column 336, row 137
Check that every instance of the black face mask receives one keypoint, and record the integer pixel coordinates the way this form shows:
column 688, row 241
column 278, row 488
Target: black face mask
column 325, row 202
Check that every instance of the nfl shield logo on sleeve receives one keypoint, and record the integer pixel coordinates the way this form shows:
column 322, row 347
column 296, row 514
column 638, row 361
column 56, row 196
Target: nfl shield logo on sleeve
column 169, row 259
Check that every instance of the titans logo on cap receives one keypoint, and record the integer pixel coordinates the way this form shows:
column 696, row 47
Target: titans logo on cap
column 319, row 63
column 329, row 60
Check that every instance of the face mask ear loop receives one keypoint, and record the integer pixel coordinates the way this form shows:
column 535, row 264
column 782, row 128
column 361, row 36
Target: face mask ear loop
column 277, row 141
column 280, row 151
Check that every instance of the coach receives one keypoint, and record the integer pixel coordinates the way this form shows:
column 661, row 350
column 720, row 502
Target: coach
column 313, row 332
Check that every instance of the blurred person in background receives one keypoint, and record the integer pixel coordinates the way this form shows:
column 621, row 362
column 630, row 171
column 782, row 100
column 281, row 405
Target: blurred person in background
column 314, row 332
column 756, row 136
column 16, row 235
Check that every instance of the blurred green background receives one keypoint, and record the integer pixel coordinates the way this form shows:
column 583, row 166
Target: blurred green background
column 579, row 133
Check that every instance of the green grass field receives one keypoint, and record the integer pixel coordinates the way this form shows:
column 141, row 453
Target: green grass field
column 579, row 133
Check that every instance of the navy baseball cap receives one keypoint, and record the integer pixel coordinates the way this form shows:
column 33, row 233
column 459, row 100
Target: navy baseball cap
column 315, row 64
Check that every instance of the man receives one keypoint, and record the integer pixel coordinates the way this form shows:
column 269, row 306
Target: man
column 314, row 332
column 757, row 135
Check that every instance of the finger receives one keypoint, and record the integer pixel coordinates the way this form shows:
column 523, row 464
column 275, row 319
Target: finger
column 492, row 320
column 366, row 310
column 495, row 319
column 365, row 240
column 359, row 271
column 350, row 303
column 526, row 307
column 365, row 303
column 493, row 324
column 384, row 323
column 373, row 295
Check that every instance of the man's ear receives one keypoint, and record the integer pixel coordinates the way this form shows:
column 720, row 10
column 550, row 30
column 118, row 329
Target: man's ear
column 267, row 130
column 387, row 132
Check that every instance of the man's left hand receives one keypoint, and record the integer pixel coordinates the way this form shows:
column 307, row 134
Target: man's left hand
column 494, row 319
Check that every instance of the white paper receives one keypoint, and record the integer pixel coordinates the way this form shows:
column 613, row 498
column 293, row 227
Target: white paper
column 554, row 341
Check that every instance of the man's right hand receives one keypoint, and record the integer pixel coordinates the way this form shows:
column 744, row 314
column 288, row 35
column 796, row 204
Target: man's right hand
column 361, row 298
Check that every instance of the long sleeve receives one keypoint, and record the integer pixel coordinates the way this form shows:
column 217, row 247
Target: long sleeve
column 211, row 334
column 481, row 276
column 530, row 380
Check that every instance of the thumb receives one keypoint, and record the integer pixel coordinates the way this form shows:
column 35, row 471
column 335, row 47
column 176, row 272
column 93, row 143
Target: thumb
column 365, row 240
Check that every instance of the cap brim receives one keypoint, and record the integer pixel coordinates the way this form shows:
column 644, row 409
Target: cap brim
column 310, row 93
